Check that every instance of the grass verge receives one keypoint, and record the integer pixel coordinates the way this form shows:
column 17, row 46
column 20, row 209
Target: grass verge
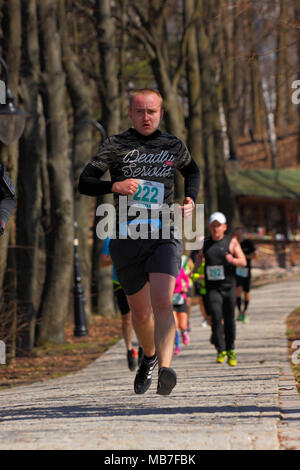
column 54, row 360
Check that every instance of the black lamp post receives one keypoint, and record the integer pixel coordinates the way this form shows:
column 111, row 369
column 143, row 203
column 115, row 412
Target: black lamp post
column 79, row 298
column 12, row 119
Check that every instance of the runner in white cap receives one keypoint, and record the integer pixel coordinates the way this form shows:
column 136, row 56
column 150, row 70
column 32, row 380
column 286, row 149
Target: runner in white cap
column 222, row 255
column 218, row 217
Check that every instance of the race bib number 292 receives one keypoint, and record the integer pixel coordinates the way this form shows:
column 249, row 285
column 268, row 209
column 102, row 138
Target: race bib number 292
column 215, row 273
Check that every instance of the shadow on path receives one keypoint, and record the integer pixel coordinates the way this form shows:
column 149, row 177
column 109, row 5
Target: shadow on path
column 71, row 412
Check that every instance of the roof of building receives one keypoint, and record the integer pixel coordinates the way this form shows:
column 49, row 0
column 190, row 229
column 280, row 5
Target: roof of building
column 268, row 183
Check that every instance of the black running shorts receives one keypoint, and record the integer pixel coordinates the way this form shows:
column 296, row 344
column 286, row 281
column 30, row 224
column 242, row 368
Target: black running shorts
column 135, row 259
column 182, row 308
column 244, row 282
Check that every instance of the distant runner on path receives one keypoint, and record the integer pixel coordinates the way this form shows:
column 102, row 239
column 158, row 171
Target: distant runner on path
column 222, row 255
column 142, row 162
column 243, row 275
column 180, row 309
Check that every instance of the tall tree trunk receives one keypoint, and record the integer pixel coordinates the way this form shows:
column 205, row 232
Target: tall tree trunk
column 281, row 52
column 207, row 86
column 82, row 148
column 60, row 251
column 111, row 120
column 108, row 66
column 256, row 126
column 266, row 68
column 29, row 210
column 217, row 188
column 9, row 158
column 269, row 102
column 123, row 47
column 228, row 76
column 194, row 139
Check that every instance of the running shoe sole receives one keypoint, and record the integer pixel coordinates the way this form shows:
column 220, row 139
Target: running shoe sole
column 141, row 384
column 167, row 380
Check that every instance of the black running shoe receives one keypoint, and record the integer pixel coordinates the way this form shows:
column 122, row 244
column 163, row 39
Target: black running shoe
column 167, row 380
column 132, row 359
column 143, row 376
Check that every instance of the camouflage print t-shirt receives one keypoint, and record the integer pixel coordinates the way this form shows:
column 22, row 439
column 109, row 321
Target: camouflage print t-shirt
column 152, row 160
column 147, row 158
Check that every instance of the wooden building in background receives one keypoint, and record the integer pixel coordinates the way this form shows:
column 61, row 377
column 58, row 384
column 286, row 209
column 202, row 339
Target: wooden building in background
column 269, row 210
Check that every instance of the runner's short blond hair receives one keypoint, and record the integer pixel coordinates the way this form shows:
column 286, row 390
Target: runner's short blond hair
column 144, row 91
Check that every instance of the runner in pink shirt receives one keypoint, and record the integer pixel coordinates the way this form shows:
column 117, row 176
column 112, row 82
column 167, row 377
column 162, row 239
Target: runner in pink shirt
column 180, row 309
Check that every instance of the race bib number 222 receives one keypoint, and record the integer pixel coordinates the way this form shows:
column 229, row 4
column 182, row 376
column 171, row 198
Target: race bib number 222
column 150, row 194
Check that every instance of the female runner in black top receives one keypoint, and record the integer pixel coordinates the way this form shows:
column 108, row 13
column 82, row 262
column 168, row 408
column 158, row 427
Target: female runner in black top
column 222, row 254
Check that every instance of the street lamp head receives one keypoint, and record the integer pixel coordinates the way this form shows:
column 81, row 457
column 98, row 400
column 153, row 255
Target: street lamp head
column 12, row 119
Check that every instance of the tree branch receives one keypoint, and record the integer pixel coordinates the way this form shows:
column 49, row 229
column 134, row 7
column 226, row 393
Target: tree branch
column 187, row 31
column 84, row 11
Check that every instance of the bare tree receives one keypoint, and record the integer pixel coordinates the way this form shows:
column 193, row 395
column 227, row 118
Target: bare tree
column 30, row 189
column 9, row 158
column 217, row 189
column 256, row 124
column 194, row 94
column 266, row 65
column 147, row 26
column 228, row 72
column 109, row 92
column 208, row 92
column 60, row 248
column 80, row 96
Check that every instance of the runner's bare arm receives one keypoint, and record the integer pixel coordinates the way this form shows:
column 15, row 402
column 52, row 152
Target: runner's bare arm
column 237, row 258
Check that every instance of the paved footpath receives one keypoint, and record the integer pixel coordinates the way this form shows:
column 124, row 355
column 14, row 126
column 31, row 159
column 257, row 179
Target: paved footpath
column 252, row 406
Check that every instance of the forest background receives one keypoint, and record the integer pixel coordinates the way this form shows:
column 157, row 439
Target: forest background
column 225, row 69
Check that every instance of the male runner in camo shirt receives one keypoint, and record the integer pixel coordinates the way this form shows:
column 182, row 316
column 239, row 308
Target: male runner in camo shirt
column 142, row 162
